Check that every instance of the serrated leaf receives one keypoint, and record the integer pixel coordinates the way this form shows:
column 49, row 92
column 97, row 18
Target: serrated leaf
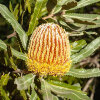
column 33, row 95
column 10, row 7
column 21, row 10
column 89, row 26
column 87, row 51
column 66, row 25
column 77, row 45
column 44, row 10
column 68, row 3
column 4, row 79
column 65, row 85
column 36, row 15
column 46, row 91
column 83, row 18
column 24, row 82
column 17, row 27
column 12, row 64
column 28, row 5
column 67, row 92
column 15, row 12
column 3, row 82
column 3, row 45
column 14, row 52
column 93, row 26
column 3, row 94
column 23, row 94
column 18, row 54
column 84, row 73
column 83, row 3
column 87, row 17
column 76, row 30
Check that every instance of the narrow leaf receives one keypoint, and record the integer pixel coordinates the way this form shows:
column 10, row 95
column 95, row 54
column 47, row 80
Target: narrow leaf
column 3, row 45
column 87, row 17
column 33, row 95
column 15, row 12
column 87, row 51
column 46, row 91
column 36, row 15
column 3, row 82
column 10, row 7
column 67, row 92
column 89, row 26
column 3, row 94
column 21, row 10
column 14, row 52
column 18, row 54
column 23, row 94
column 4, row 79
column 77, row 45
column 17, row 27
column 67, row 3
column 28, row 5
column 84, row 73
column 83, row 18
column 64, row 84
column 83, row 3
column 24, row 82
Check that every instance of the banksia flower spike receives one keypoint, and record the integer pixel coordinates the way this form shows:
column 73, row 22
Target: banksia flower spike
column 49, row 51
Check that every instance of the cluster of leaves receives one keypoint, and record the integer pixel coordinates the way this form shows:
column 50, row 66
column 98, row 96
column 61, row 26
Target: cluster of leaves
column 64, row 13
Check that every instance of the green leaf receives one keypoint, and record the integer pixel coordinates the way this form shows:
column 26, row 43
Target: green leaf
column 65, row 85
column 15, row 12
column 64, row 91
column 46, row 91
column 77, row 45
column 12, row 64
column 84, row 73
column 4, row 79
column 14, row 52
column 23, row 94
column 68, row 3
column 87, row 51
column 3, row 94
column 3, row 82
column 24, row 82
column 17, row 27
column 10, row 7
column 3, row 45
column 33, row 95
column 87, row 17
column 43, row 10
column 21, row 10
column 89, row 26
column 83, row 18
column 18, row 54
column 83, row 3
column 36, row 15
column 28, row 5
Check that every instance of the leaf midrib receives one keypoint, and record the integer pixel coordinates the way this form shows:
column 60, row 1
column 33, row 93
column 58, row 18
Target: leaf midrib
column 66, row 89
column 25, row 81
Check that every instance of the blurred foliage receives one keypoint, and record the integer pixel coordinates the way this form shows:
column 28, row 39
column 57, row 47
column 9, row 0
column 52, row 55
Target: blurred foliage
column 19, row 18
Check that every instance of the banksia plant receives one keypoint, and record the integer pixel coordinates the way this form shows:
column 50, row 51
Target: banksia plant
column 49, row 51
column 45, row 67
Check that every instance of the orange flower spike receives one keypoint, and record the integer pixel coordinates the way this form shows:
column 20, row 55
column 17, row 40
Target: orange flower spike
column 49, row 51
